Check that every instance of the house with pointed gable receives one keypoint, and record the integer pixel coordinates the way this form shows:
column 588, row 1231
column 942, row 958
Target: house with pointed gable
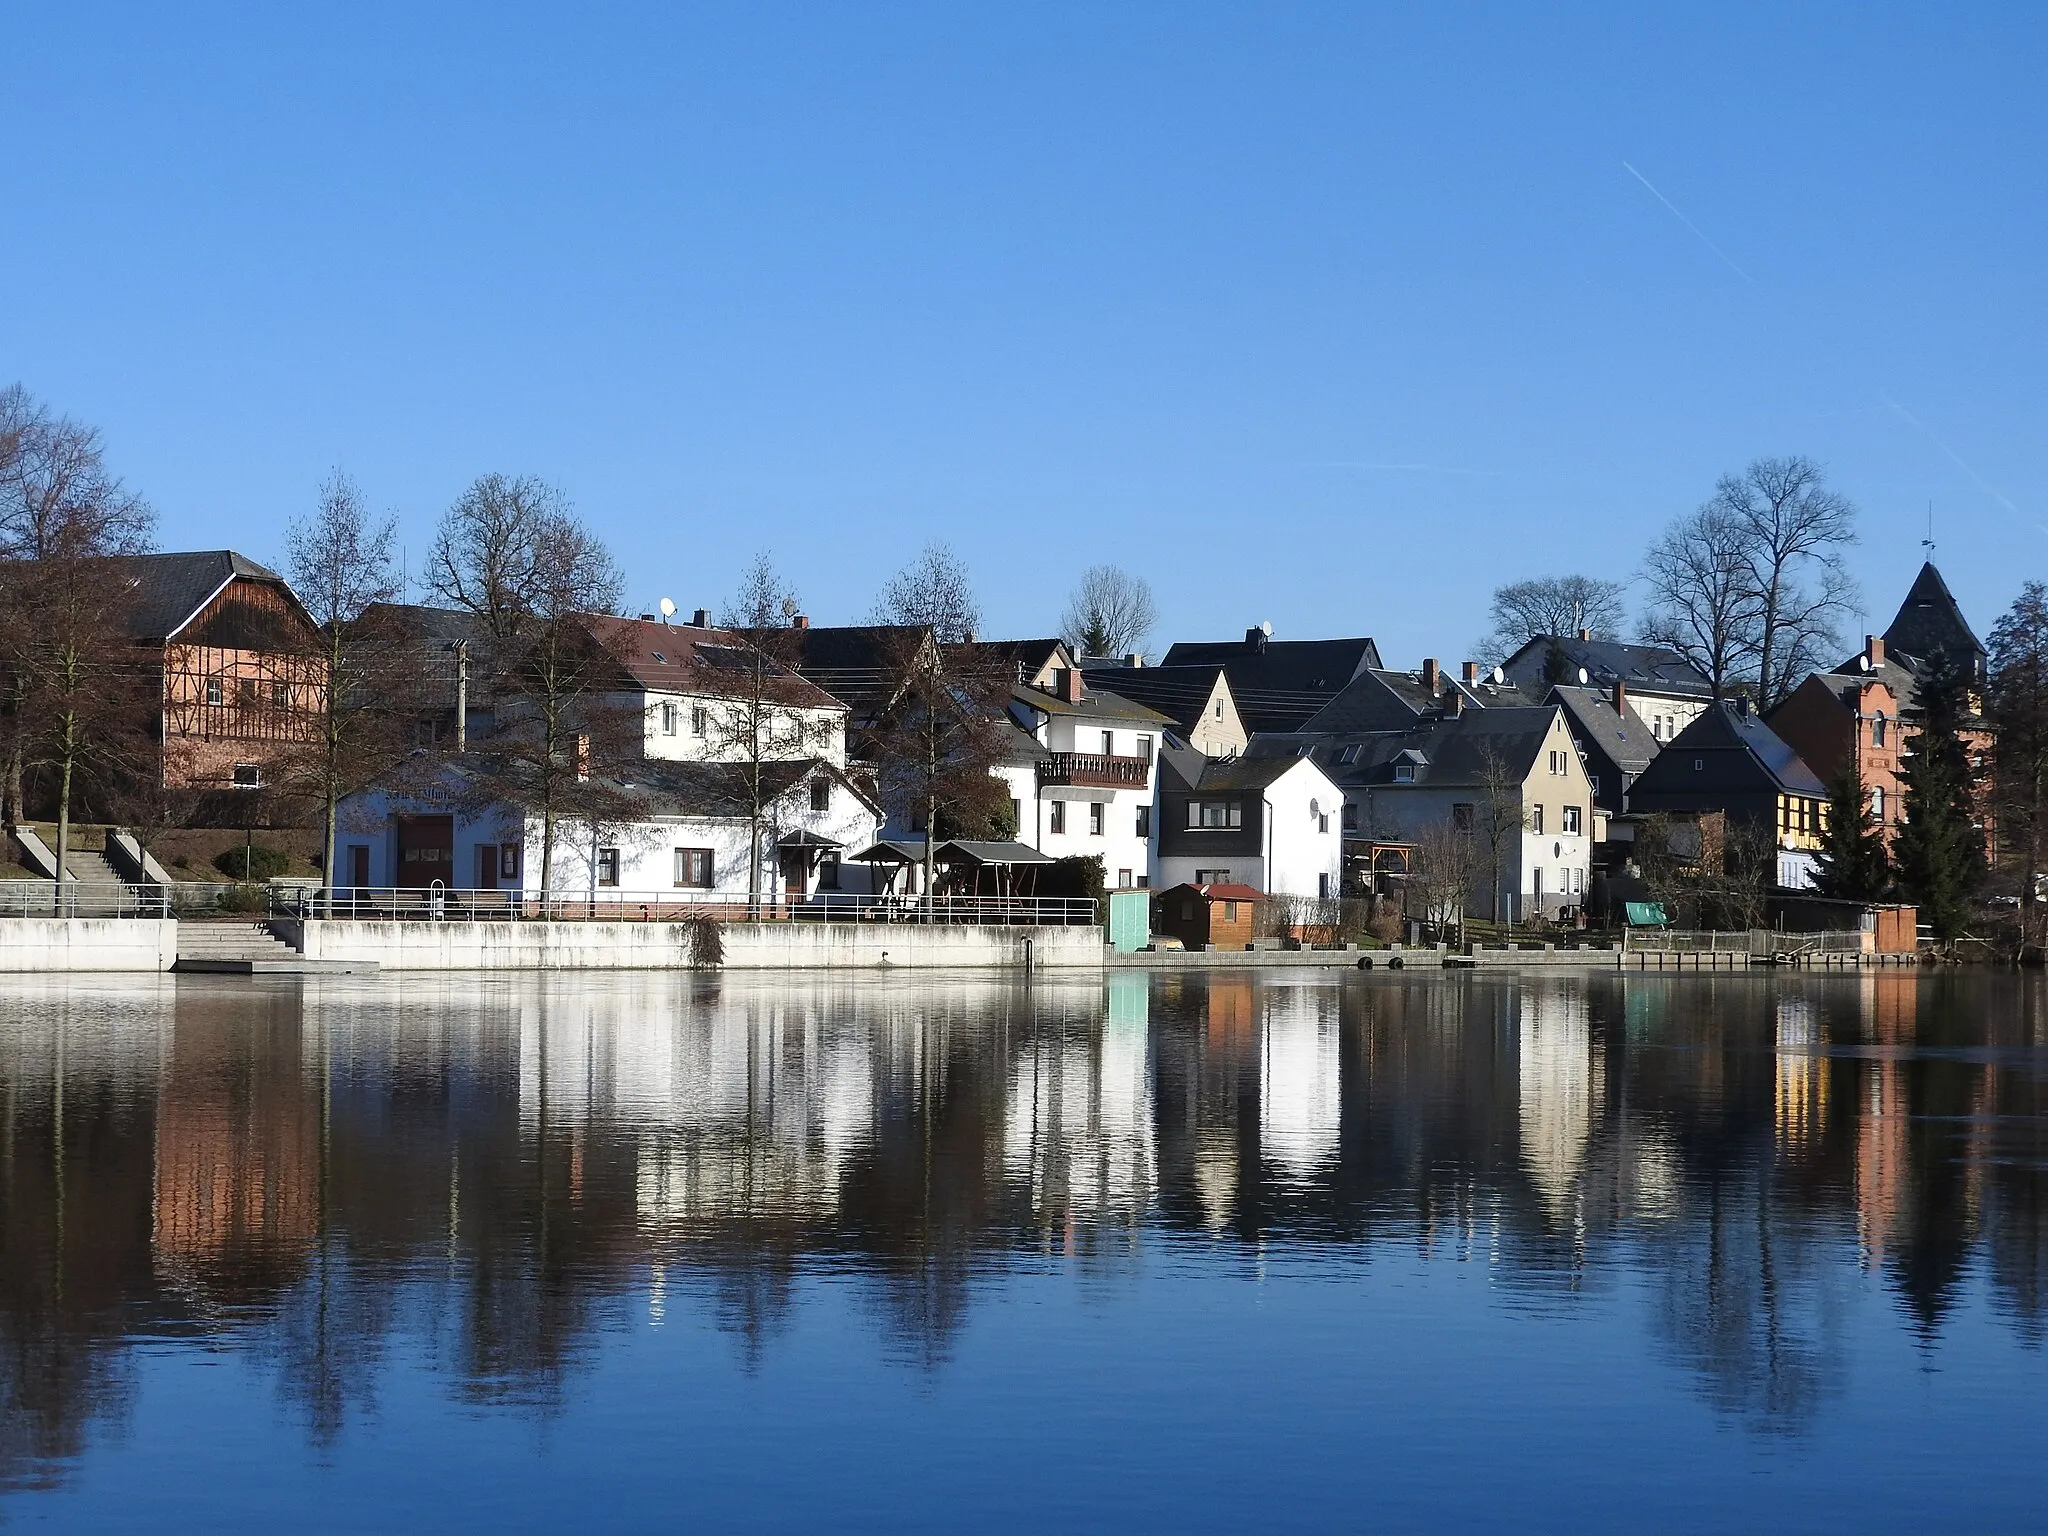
column 1279, row 684
column 238, row 659
column 1666, row 691
column 1728, row 760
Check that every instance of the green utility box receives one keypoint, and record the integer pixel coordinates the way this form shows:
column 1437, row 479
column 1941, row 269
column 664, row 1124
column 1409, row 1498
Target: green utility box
column 1130, row 920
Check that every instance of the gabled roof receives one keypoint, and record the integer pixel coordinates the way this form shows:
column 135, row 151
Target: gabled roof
column 990, row 853
column 421, row 622
column 1179, row 694
column 1726, row 732
column 1644, row 668
column 1931, row 620
column 1229, row 775
column 1452, row 751
column 858, row 663
column 1279, row 684
column 170, row 590
column 1096, row 704
column 659, row 787
column 1024, row 659
column 715, row 663
column 1590, row 715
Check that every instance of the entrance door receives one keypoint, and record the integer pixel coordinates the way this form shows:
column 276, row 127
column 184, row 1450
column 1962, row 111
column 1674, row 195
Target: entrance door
column 796, row 874
column 426, row 851
column 359, row 865
column 487, row 866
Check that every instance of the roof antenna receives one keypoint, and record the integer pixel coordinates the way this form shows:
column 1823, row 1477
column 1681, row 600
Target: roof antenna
column 1928, row 542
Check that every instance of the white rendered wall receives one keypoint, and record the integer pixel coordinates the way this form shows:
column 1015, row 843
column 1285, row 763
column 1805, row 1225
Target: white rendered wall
column 88, row 943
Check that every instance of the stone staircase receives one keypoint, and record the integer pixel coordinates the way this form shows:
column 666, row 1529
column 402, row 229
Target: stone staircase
column 99, row 891
column 250, row 949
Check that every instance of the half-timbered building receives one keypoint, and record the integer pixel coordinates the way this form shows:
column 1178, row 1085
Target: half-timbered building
column 239, row 661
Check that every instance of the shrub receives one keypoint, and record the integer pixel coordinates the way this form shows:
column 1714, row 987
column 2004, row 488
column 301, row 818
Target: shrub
column 256, row 862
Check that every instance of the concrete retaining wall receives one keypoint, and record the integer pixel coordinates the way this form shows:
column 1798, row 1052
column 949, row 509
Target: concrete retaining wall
column 456, row 946
column 88, row 943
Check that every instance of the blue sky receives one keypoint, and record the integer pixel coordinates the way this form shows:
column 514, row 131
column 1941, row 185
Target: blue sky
column 1327, row 315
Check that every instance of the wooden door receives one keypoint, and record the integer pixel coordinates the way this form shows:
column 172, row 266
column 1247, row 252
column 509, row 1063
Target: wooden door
column 359, row 865
column 487, row 866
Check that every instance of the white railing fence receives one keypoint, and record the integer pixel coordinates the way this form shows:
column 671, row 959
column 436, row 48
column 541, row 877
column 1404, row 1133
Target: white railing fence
column 439, row 904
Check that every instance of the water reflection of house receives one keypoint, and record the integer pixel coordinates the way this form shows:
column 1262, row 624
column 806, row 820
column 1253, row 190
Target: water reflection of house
column 1561, row 1086
column 1883, row 1149
column 1300, row 1086
column 1801, row 1100
column 237, row 1186
column 1079, row 1132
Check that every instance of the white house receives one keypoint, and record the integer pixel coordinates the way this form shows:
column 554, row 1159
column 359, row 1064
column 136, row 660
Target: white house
column 705, row 696
column 1506, row 775
column 1666, row 691
column 1269, row 819
column 671, row 831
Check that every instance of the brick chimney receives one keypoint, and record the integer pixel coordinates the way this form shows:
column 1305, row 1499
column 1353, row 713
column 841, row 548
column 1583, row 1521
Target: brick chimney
column 1135, row 659
column 1586, row 635
column 801, row 621
column 1471, row 674
column 1456, row 705
column 1620, row 697
column 1069, row 684
column 1431, row 677
column 1873, row 647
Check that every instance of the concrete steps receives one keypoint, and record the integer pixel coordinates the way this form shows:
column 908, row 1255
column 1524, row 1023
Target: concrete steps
column 250, row 949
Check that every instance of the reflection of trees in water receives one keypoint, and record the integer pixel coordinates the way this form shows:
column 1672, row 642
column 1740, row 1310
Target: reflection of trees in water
column 489, row 1171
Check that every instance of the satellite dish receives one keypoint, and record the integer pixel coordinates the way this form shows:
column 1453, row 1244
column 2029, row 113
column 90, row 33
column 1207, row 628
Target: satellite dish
column 1315, row 808
column 668, row 607
column 1499, row 676
column 1583, row 679
column 1266, row 628
column 1863, row 663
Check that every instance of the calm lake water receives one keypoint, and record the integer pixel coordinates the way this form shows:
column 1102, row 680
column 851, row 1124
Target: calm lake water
column 1236, row 1252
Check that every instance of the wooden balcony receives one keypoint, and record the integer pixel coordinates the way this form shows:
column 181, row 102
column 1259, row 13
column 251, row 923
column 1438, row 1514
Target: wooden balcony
column 1089, row 770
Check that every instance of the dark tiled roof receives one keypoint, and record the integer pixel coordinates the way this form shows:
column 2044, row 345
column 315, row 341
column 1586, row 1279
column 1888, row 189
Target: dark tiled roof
column 858, row 663
column 1649, row 668
column 1454, row 750
column 1591, row 715
column 1181, row 694
column 1723, row 738
column 1024, row 659
column 1930, row 620
column 170, row 589
column 719, row 790
column 1096, row 704
column 680, row 658
column 1279, row 684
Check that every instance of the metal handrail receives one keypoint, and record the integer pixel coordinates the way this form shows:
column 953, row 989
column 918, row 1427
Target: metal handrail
column 412, row 904
column 81, row 898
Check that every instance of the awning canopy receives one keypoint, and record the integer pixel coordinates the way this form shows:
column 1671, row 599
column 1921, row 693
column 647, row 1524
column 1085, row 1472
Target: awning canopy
column 989, row 853
column 805, row 839
column 892, row 851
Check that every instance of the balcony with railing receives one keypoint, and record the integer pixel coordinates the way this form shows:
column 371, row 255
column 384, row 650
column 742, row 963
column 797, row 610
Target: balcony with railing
column 1094, row 770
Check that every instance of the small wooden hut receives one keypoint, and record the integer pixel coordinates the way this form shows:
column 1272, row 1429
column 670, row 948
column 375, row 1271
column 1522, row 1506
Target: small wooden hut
column 1200, row 915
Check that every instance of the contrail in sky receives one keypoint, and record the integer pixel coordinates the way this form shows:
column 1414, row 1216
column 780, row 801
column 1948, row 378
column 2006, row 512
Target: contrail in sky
column 1420, row 469
column 1688, row 223
column 1955, row 458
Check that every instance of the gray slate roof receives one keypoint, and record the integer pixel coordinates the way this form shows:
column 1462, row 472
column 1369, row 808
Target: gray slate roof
column 170, row 589
column 1931, row 620
column 1590, row 713
column 1279, row 684
column 1650, row 668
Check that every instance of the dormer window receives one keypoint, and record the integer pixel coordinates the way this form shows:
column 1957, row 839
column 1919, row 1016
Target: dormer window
column 1404, row 773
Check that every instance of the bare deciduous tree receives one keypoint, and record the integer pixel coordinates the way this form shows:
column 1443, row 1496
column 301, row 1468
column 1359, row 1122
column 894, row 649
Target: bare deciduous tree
column 514, row 554
column 1551, row 605
column 933, row 591
column 1751, row 588
column 1498, row 818
column 771, row 715
column 1440, row 874
column 342, row 564
column 1792, row 530
column 1703, row 600
column 1110, row 614
column 63, row 514
column 942, row 732
column 487, row 553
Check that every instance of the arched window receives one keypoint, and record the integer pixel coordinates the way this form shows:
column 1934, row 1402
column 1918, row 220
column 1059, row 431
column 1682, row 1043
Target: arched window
column 1877, row 802
column 1877, row 729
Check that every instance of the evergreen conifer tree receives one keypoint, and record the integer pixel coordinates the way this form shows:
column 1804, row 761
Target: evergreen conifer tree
column 1939, row 851
column 1853, row 863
